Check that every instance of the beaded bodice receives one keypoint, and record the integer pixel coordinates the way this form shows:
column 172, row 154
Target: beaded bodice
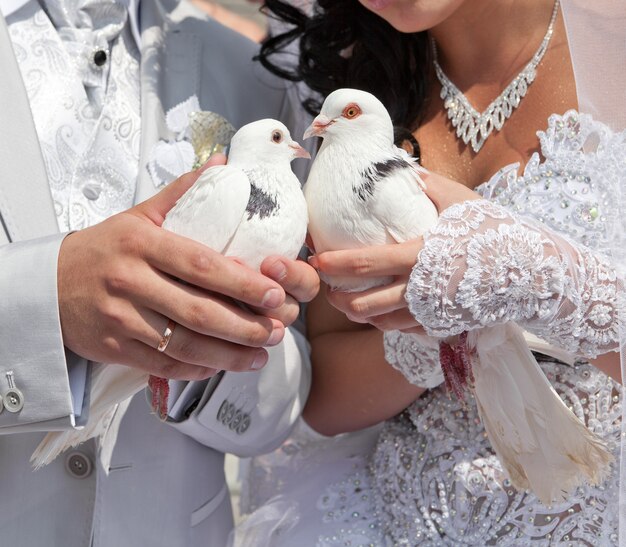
column 437, row 481
column 568, row 191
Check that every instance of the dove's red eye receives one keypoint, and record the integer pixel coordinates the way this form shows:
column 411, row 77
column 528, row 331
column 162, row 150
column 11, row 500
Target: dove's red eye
column 351, row 111
column 277, row 136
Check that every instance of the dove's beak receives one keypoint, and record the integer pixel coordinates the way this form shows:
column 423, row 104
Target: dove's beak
column 318, row 127
column 298, row 151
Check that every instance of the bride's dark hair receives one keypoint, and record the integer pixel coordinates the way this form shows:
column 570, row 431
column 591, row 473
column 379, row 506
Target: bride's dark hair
column 342, row 44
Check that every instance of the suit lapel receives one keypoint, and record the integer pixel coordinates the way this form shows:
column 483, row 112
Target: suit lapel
column 26, row 205
column 170, row 60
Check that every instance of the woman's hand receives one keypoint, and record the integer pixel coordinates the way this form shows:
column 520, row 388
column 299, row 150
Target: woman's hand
column 118, row 286
column 385, row 307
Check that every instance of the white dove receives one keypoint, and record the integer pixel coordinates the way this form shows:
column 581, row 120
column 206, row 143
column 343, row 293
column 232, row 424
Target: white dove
column 362, row 190
column 249, row 209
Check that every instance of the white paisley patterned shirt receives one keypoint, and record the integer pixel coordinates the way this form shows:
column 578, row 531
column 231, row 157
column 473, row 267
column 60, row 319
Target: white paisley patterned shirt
column 80, row 64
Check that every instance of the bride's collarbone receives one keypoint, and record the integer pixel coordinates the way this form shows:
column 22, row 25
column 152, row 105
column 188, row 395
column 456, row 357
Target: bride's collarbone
column 553, row 92
column 442, row 152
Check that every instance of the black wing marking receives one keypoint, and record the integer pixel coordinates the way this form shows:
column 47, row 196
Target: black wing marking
column 260, row 203
column 375, row 173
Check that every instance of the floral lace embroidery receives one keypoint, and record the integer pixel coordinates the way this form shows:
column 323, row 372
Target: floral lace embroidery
column 415, row 357
column 510, row 269
column 572, row 190
column 437, row 480
column 557, row 290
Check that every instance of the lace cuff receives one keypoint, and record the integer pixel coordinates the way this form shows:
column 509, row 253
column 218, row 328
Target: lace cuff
column 415, row 357
column 482, row 266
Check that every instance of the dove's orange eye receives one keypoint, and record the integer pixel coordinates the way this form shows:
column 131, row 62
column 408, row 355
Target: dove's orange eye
column 351, row 111
column 277, row 136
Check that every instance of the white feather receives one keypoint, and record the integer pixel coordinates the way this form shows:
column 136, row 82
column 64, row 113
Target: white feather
column 112, row 386
column 212, row 209
column 542, row 445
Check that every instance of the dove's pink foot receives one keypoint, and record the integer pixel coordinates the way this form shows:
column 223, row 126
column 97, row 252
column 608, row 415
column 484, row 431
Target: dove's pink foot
column 456, row 363
column 160, row 388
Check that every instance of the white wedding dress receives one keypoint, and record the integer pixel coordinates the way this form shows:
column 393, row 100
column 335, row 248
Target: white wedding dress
column 429, row 476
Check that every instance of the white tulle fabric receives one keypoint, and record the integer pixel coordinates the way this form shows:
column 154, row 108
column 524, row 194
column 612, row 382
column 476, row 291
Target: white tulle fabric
column 312, row 491
column 433, row 479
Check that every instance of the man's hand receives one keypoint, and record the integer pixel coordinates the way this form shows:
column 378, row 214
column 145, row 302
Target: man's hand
column 118, row 286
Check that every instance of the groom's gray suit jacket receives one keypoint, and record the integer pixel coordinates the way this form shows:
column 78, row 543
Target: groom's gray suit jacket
column 165, row 487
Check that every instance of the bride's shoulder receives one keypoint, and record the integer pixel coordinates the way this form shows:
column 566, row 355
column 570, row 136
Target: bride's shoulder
column 575, row 133
column 571, row 183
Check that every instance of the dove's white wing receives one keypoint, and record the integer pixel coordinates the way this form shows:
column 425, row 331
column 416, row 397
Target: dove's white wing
column 212, row 209
column 401, row 205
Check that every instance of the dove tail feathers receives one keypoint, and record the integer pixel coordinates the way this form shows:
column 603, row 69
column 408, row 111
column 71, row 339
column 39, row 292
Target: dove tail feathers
column 57, row 442
column 541, row 443
column 112, row 386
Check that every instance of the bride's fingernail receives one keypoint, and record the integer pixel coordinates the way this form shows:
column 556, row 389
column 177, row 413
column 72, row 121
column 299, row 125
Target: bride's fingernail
column 276, row 337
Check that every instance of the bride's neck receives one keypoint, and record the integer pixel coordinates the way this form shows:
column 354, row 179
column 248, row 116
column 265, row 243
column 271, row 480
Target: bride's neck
column 487, row 41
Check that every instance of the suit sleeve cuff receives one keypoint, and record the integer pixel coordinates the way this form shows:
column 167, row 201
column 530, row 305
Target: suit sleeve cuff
column 251, row 413
column 31, row 344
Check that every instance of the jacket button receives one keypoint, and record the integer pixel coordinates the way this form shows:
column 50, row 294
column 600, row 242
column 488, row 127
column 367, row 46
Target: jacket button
column 234, row 423
column 244, row 425
column 78, row 465
column 221, row 413
column 13, row 400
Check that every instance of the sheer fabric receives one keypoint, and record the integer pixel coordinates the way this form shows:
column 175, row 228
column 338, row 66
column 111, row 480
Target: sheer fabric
column 417, row 357
column 482, row 266
column 597, row 41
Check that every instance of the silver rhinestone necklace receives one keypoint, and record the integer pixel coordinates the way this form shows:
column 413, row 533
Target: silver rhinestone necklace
column 473, row 127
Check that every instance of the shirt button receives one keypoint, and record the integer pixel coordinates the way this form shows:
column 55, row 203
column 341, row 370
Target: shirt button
column 99, row 57
column 92, row 191
column 13, row 400
column 78, row 465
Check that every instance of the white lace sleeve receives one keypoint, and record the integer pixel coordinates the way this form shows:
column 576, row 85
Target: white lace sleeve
column 482, row 265
column 417, row 357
